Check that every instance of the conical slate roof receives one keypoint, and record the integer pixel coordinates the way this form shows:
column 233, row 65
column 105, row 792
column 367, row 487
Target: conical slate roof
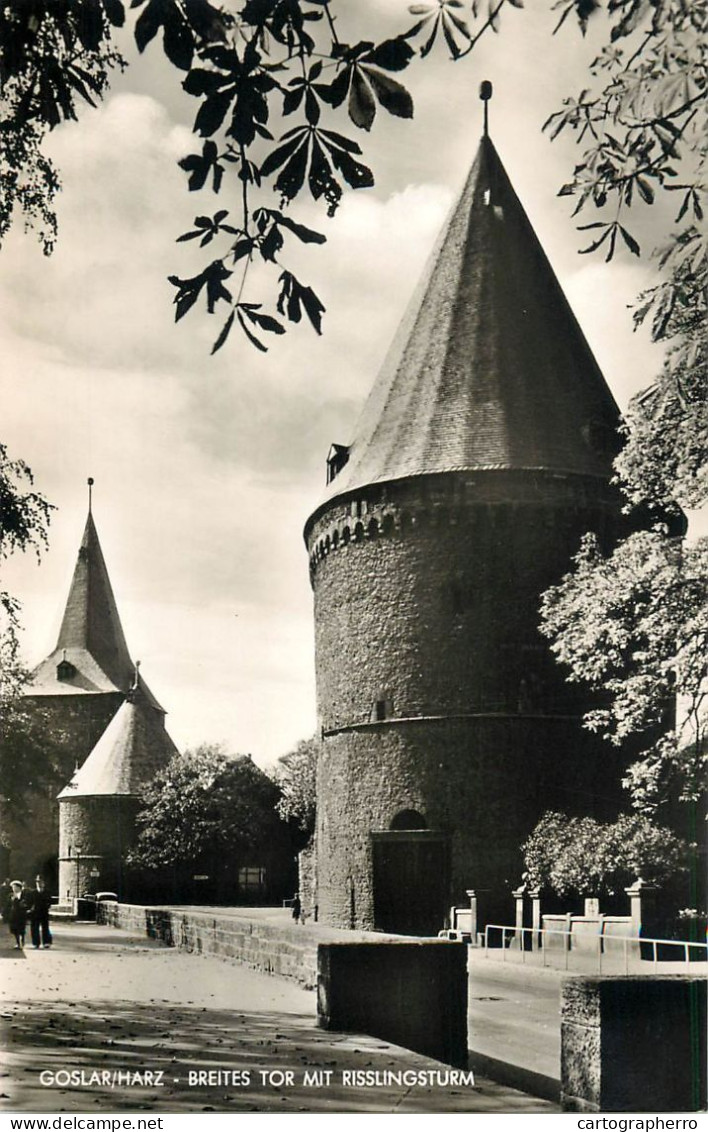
column 131, row 750
column 489, row 368
column 91, row 618
column 91, row 654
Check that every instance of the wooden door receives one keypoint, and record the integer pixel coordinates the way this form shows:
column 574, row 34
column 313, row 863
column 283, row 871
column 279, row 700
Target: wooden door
column 411, row 881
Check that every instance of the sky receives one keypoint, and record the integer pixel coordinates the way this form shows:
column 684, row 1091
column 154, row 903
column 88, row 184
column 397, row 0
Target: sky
column 206, row 468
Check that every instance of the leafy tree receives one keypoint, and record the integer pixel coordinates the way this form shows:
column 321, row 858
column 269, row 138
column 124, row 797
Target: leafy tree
column 35, row 755
column 24, row 519
column 583, row 857
column 664, row 458
column 296, row 774
column 634, row 626
column 51, row 54
column 33, row 751
column 36, row 759
column 634, row 623
column 205, row 808
column 299, row 64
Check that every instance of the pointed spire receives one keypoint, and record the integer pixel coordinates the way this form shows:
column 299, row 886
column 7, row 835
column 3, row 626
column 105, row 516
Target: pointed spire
column 489, row 369
column 91, row 620
column 91, row 654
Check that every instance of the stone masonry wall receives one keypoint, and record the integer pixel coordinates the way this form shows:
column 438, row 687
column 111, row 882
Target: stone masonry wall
column 100, row 827
column 436, row 692
column 634, row 1044
column 485, row 781
column 429, row 599
column 307, row 881
column 286, row 950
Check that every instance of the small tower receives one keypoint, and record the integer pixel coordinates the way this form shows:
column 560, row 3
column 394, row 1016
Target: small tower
column 483, row 454
column 97, row 809
column 72, row 697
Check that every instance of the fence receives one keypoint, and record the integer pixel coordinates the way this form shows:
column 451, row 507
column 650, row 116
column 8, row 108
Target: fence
column 581, row 951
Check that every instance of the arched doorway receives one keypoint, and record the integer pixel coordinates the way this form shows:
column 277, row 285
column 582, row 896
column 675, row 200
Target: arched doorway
column 411, row 876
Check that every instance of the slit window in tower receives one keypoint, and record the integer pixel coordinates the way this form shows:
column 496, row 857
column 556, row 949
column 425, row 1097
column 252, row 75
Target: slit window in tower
column 383, row 709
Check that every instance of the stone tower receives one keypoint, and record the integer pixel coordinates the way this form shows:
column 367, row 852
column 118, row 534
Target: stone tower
column 73, row 696
column 483, row 454
column 97, row 809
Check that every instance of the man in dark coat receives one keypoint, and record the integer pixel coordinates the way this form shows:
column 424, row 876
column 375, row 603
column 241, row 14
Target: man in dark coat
column 41, row 902
column 17, row 914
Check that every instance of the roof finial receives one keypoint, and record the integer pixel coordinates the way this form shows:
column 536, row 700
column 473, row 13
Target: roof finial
column 90, row 485
column 485, row 93
column 135, row 686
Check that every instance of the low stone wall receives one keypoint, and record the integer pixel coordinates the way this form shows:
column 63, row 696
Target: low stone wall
column 615, row 930
column 585, row 931
column 275, row 949
column 412, row 993
column 633, row 1044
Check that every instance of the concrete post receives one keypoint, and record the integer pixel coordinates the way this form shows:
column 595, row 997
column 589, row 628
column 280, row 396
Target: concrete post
column 633, row 1044
column 642, row 906
column 535, row 898
column 519, row 894
column 472, row 897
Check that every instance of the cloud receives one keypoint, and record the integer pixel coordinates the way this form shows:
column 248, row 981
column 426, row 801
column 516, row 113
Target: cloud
column 629, row 360
column 102, row 297
column 206, row 468
column 277, row 415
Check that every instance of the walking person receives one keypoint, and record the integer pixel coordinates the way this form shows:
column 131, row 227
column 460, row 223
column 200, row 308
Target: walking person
column 17, row 914
column 41, row 902
column 5, row 898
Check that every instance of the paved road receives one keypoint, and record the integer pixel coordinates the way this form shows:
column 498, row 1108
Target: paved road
column 514, row 1023
column 116, row 1008
column 514, row 1012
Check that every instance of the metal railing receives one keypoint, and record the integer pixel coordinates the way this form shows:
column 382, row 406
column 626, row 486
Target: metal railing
column 537, row 946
